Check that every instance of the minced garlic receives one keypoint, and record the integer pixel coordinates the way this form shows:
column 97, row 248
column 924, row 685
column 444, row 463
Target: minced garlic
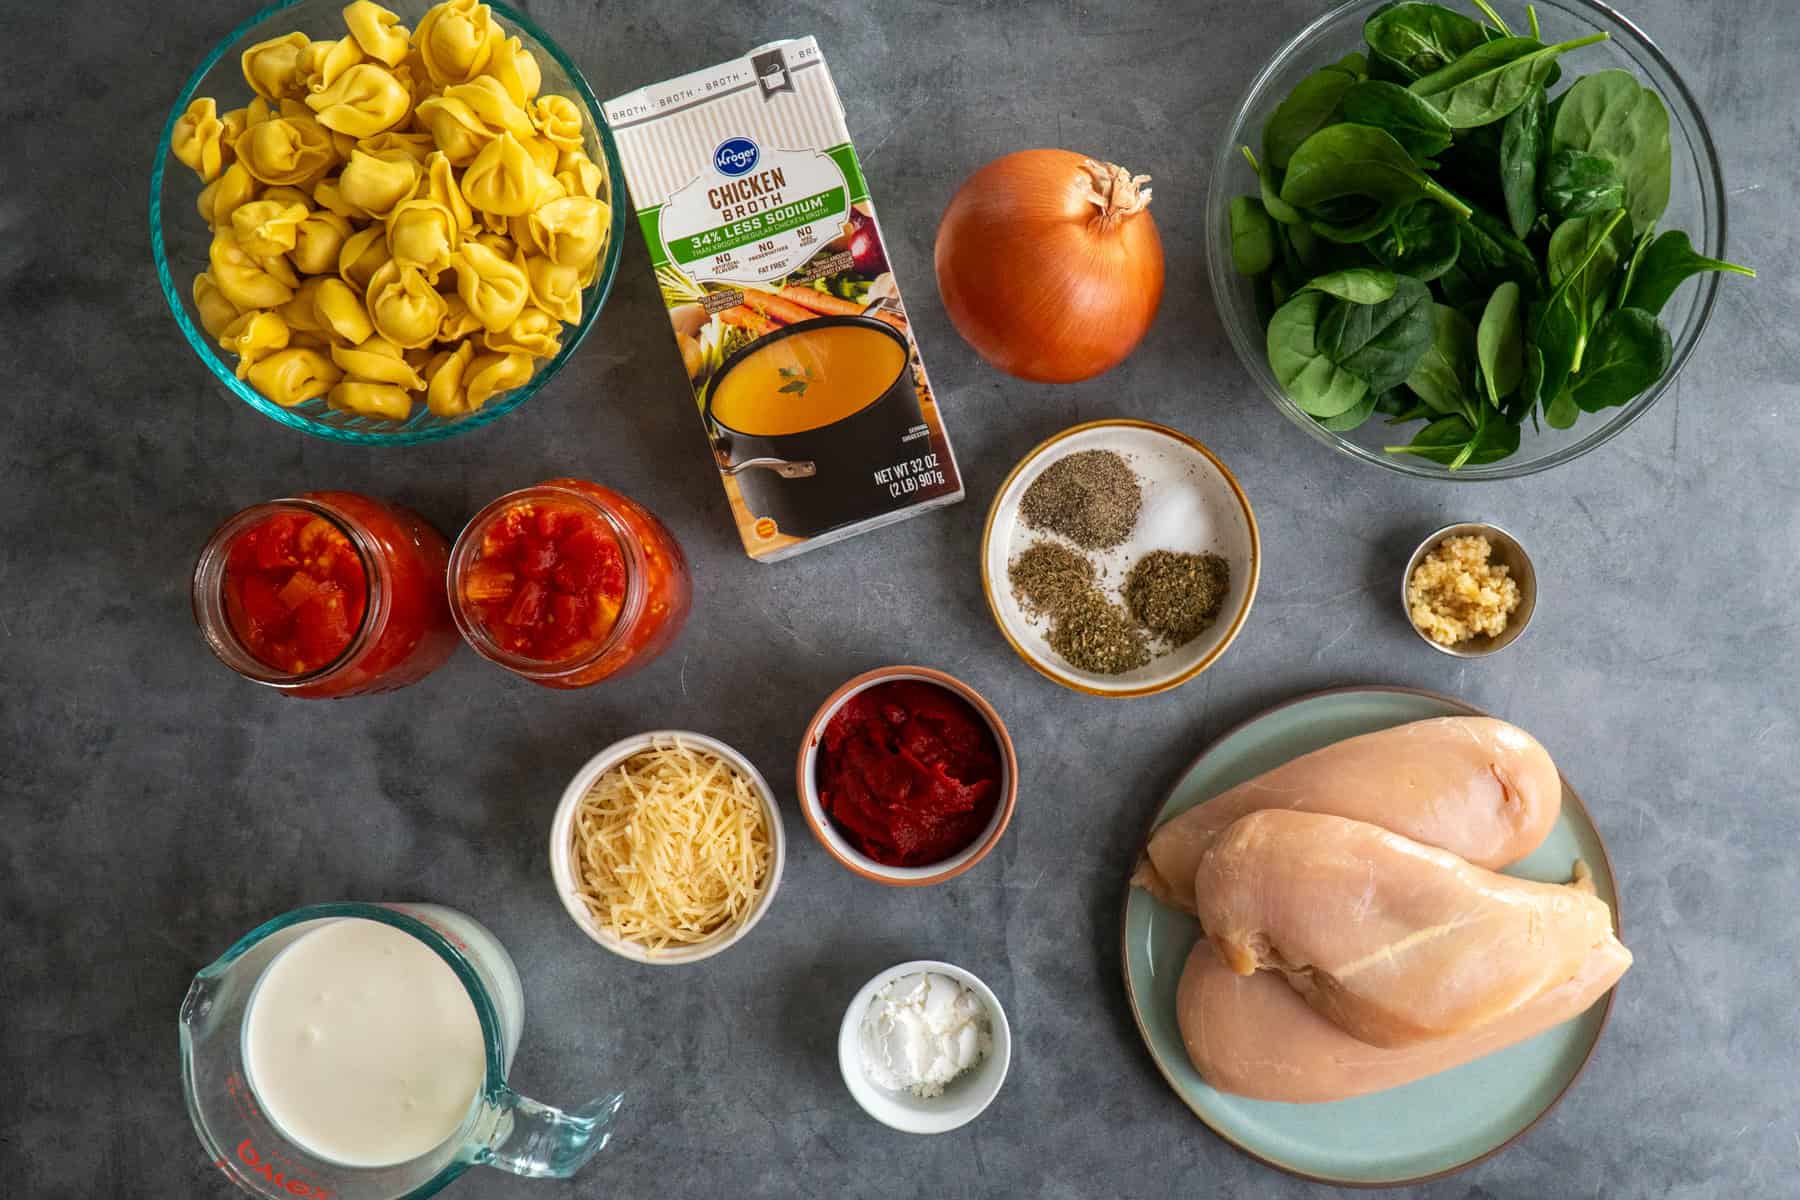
column 1455, row 594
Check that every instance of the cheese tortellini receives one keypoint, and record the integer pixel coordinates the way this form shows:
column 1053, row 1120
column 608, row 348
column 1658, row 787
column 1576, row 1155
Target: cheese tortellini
column 504, row 180
column 494, row 289
column 199, row 140
column 398, row 216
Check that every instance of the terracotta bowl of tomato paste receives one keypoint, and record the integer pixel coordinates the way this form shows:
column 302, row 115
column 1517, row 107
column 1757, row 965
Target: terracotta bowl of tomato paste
column 907, row 776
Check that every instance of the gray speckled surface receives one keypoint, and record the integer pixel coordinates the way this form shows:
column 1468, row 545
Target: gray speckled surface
column 156, row 807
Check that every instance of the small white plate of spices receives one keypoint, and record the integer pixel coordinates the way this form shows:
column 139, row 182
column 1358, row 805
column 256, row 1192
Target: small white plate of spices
column 1120, row 558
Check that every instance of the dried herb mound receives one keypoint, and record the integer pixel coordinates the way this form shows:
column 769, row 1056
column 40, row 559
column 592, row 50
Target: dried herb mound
column 1088, row 630
column 1049, row 578
column 1176, row 596
column 1091, row 497
column 1097, row 635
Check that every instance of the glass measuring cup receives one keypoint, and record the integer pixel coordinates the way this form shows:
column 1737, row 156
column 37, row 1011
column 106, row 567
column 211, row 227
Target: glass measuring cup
column 502, row 1128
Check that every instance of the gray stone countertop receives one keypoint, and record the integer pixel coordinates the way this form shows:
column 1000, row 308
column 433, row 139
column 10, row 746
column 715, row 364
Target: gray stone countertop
column 156, row 807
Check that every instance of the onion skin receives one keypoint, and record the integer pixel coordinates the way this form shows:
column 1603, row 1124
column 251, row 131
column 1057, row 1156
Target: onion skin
column 1050, row 265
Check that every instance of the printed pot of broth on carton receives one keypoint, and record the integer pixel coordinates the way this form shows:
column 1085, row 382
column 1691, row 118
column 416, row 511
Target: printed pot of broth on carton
column 791, row 327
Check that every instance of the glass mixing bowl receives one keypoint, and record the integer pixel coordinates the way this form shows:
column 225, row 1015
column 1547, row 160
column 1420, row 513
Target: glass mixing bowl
column 179, row 238
column 1696, row 204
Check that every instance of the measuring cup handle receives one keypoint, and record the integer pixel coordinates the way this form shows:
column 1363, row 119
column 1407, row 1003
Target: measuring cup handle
column 541, row 1142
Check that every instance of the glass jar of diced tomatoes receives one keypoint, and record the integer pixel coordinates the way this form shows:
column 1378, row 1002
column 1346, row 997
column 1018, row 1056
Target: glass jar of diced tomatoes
column 326, row 594
column 568, row 583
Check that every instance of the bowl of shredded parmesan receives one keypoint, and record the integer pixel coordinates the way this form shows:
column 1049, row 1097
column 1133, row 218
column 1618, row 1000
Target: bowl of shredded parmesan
column 667, row 847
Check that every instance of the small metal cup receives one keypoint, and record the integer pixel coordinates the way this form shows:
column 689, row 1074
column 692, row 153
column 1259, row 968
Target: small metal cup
column 1508, row 552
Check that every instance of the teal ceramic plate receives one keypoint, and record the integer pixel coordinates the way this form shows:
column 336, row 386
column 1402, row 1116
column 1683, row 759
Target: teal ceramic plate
column 1407, row 1134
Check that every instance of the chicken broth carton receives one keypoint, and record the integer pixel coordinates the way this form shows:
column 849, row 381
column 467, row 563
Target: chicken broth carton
column 771, row 264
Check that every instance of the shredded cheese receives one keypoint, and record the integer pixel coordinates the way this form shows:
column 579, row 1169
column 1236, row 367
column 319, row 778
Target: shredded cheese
column 671, row 846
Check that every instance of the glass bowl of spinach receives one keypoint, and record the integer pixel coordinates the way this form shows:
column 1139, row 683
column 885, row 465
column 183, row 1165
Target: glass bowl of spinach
column 1467, row 240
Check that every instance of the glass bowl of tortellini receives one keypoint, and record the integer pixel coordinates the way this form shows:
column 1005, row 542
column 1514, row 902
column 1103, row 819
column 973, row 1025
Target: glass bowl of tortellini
column 386, row 224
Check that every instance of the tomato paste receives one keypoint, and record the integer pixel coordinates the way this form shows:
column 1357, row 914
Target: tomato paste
column 909, row 772
column 295, row 591
column 549, row 581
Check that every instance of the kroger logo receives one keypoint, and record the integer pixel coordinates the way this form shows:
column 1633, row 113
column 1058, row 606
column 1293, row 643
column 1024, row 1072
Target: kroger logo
column 736, row 156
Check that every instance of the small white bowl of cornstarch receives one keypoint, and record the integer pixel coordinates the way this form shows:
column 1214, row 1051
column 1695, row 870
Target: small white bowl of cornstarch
column 667, row 847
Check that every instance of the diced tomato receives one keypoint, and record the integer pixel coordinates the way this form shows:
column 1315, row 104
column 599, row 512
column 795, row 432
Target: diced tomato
column 566, row 613
column 263, row 608
column 578, row 568
column 537, row 559
column 318, row 536
column 606, row 614
column 275, row 548
column 321, row 629
column 548, row 582
column 294, row 611
column 487, row 582
column 528, row 605
column 300, row 588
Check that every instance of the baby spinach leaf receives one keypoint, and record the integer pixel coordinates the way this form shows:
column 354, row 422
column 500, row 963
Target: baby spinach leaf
column 1355, row 63
column 1396, row 402
column 1311, row 379
column 1585, row 251
column 1262, row 295
column 1385, row 69
column 1494, row 18
column 1357, row 160
column 1269, row 181
column 1456, row 443
column 1303, row 243
column 1491, row 80
column 1468, row 167
column 1488, row 256
column 1554, row 331
column 1310, row 107
column 1608, row 115
column 1531, row 387
column 1561, row 412
column 1281, row 287
column 1584, row 256
column 1421, row 241
column 1351, row 417
column 1352, row 220
column 1522, row 138
column 1668, row 262
column 1444, row 375
column 1252, row 237
column 1500, row 342
column 1416, row 125
column 1359, row 285
column 1577, row 184
column 1630, row 350
column 1417, row 39
column 1639, row 249
column 1380, row 343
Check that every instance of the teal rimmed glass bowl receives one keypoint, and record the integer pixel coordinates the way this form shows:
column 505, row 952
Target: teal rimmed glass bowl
column 179, row 238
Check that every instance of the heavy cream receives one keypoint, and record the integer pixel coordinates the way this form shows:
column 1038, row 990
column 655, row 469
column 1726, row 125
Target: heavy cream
column 921, row 1032
column 362, row 1045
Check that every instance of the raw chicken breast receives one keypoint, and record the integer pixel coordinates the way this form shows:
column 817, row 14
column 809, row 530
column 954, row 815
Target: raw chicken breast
column 1396, row 942
column 1252, row 1035
column 1474, row 786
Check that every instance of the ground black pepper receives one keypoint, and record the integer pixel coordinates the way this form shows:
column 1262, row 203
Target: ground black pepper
column 1176, row 596
column 1091, row 497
